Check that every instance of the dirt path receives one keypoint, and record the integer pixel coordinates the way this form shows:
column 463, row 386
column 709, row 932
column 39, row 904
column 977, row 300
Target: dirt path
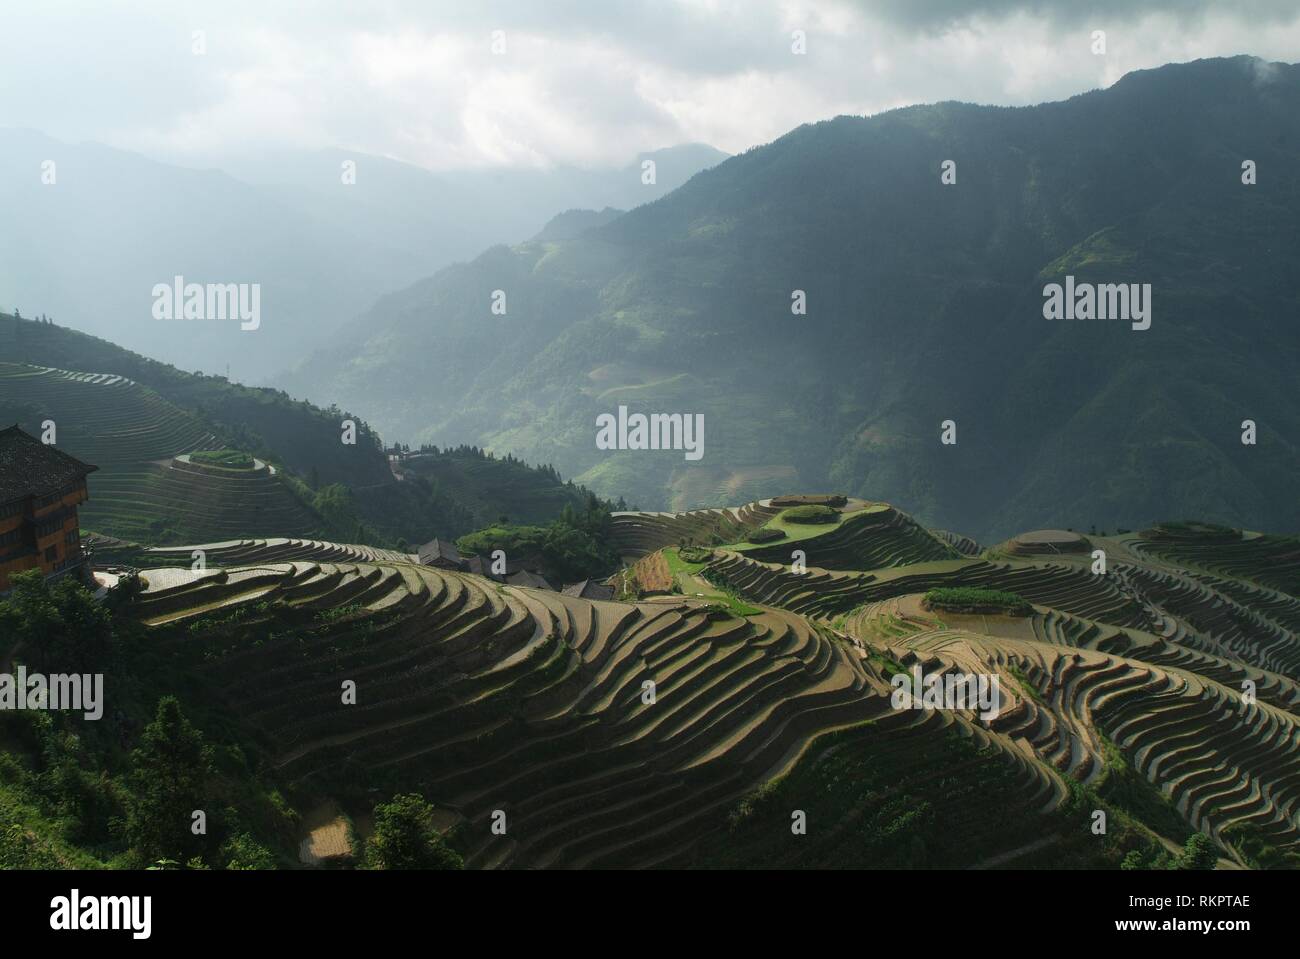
column 1016, row 853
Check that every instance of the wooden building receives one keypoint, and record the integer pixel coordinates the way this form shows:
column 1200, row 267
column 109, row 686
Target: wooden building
column 40, row 490
column 589, row 589
column 439, row 552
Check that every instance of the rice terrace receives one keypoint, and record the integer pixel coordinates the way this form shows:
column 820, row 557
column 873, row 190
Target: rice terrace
column 654, row 438
column 717, row 687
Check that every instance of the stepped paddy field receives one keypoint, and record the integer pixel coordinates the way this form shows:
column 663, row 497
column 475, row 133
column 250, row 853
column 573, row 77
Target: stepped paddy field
column 735, row 709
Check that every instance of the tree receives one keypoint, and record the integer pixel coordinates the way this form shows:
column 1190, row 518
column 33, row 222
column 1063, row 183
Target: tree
column 243, row 852
column 169, row 772
column 404, row 837
column 61, row 627
column 1198, row 853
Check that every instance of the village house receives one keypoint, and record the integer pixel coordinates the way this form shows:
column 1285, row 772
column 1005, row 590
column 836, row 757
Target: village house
column 444, row 555
column 440, row 553
column 40, row 490
column 530, row 579
column 589, row 589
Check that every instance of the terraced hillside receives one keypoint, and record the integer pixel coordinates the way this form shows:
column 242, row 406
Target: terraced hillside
column 147, row 490
column 862, row 535
column 103, row 418
column 256, row 552
column 521, row 700
column 637, row 533
column 693, row 729
column 1273, row 561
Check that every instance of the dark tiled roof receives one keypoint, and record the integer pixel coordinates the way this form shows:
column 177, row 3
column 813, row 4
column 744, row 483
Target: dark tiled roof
column 439, row 549
column 526, row 578
column 30, row 468
column 589, row 590
column 483, row 567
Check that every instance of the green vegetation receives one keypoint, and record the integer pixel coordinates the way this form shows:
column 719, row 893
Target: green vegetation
column 120, row 791
column 766, row 534
column 1027, row 687
column 575, row 546
column 404, row 837
column 1126, row 789
column 1255, row 848
column 1195, row 528
column 886, row 798
column 809, row 514
column 227, row 459
column 728, row 597
column 887, row 664
column 689, row 566
column 142, row 413
column 836, row 500
column 872, row 537
column 968, row 599
column 56, row 627
column 169, row 772
column 1197, row 854
column 686, row 559
column 691, row 556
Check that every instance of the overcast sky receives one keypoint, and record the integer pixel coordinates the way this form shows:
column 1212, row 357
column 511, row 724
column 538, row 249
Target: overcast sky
column 588, row 83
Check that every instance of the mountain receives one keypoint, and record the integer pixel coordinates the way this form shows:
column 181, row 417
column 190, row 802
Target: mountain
column 140, row 420
column 90, row 246
column 573, row 223
column 925, row 303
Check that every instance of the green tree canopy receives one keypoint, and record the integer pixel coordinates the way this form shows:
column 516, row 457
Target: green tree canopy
column 404, row 837
column 169, row 772
column 58, row 627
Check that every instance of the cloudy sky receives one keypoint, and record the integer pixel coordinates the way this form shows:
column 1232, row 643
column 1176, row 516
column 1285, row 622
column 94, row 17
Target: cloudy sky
column 584, row 82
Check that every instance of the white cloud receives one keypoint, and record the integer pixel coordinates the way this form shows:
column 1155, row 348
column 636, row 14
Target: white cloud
column 582, row 83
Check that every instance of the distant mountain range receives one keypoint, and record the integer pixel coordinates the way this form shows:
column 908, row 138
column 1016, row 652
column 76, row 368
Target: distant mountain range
column 925, row 303
column 89, row 231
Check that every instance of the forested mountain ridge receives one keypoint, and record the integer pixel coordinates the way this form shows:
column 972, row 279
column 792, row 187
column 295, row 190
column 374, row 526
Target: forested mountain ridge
column 132, row 415
column 924, row 304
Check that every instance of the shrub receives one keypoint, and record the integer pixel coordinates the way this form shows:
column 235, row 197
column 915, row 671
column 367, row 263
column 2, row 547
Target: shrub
column 823, row 499
column 810, row 514
column 1249, row 840
column 243, row 852
column 766, row 535
column 1198, row 853
column 227, row 459
column 969, row 599
column 404, row 837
